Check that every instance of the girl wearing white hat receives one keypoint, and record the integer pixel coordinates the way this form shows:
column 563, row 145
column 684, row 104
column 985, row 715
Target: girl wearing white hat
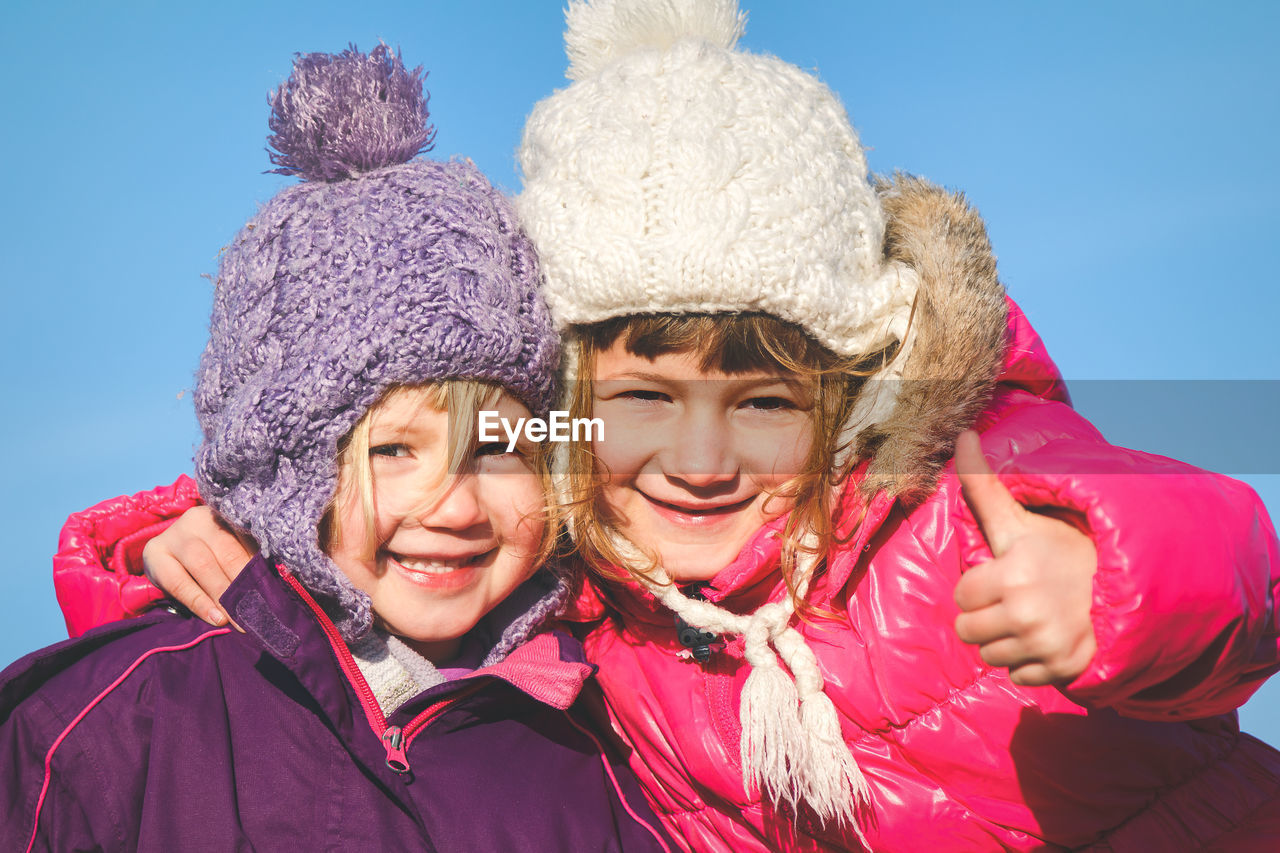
column 821, row 621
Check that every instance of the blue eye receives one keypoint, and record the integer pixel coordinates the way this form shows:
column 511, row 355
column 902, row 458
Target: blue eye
column 389, row 450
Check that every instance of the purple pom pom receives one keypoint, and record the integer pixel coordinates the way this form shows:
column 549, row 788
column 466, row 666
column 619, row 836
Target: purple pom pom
column 339, row 115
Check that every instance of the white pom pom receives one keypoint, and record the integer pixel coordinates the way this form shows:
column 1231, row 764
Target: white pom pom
column 601, row 31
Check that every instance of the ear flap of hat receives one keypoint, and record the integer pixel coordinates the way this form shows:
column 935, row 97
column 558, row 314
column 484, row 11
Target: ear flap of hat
column 958, row 336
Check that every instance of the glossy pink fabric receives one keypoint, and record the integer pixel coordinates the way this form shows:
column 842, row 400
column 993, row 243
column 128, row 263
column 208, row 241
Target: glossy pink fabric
column 958, row 757
column 97, row 572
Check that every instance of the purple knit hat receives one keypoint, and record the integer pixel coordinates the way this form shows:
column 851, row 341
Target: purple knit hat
column 377, row 270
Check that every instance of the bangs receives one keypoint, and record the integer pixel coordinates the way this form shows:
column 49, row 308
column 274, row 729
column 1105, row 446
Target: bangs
column 724, row 343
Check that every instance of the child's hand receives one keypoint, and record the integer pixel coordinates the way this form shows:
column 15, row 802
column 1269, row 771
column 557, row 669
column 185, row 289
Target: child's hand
column 1029, row 607
column 195, row 560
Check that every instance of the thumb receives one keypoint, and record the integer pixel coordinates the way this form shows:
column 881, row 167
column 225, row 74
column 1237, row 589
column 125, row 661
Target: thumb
column 998, row 514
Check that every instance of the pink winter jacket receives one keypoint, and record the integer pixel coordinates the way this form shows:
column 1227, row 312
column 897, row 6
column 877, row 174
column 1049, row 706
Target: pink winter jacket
column 1141, row 753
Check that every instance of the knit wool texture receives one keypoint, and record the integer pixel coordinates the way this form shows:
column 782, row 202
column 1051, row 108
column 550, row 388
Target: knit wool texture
column 678, row 174
column 336, row 292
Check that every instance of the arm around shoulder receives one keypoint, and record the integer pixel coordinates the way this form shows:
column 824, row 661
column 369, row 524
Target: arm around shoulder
column 1184, row 597
column 97, row 571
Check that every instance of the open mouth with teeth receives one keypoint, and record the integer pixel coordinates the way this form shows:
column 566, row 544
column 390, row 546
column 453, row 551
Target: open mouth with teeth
column 436, row 572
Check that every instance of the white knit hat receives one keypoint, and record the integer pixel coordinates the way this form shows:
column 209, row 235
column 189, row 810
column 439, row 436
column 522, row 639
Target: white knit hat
column 677, row 174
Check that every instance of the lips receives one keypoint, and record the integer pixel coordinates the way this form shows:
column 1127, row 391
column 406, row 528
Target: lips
column 432, row 565
column 697, row 515
column 434, row 572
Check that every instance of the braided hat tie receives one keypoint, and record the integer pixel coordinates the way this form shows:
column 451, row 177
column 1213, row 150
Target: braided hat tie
column 792, row 748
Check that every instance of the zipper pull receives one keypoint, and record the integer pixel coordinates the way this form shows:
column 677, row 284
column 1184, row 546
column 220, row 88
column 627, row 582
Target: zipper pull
column 393, row 741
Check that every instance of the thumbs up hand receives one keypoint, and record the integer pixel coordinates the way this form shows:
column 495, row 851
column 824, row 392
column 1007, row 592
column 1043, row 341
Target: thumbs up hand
column 1029, row 607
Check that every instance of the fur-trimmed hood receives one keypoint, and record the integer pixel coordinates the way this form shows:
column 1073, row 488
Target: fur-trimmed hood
column 955, row 348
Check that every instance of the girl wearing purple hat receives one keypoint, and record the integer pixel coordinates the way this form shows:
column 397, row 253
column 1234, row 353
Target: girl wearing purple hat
column 393, row 654
column 817, row 630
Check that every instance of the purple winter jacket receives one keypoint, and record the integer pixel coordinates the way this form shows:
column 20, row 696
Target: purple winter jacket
column 161, row 733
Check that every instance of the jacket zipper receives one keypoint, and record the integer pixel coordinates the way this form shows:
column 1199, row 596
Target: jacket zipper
column 395, row 739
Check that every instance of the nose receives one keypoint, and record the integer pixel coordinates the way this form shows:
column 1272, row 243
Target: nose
column 456, row 507
column 701, row 453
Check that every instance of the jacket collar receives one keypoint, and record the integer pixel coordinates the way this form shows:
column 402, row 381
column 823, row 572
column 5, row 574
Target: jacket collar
column 749, row 581
column 549, row 667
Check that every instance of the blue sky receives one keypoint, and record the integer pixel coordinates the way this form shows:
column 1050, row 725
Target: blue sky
column 1123, row 155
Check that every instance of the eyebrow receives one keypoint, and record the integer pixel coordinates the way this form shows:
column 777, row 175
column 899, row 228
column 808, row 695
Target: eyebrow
column 399, row 434
column 750, row 382
column 641, row 375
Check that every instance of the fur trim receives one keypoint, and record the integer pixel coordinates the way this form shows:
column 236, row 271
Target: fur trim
column 958, row 336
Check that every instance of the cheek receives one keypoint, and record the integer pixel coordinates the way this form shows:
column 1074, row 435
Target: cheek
column 782, row 454
column 348, row 552
column 616, row 458
column 349, row 545
column 349, row 523
column 517, row 507
column 399, row 491
column 627, row 444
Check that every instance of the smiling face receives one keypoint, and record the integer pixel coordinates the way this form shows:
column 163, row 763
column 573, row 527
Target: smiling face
column 445, row 547
column 692, row 458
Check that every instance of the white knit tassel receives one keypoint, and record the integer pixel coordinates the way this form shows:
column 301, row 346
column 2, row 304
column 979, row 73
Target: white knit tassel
column 829, row 778
column 792, row 749
column 773, row 743
column 834, row 786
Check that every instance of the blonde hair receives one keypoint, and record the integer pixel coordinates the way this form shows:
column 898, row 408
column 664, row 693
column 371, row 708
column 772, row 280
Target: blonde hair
column 462, row 400
column 728, row 343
